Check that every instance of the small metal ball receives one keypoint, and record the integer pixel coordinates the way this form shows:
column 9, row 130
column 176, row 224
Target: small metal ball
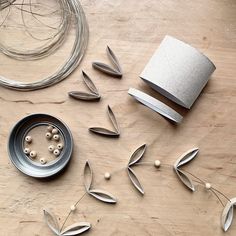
column 107, row 175
column 56, row 137
column 33, row 154
column 49, row 128
column 56, row 152
column 72, row 207
column 55, row 131
column 28, row 139
column 51, row 148
column 26, row 150
column 43, row 161
column 60, row 146
column 48, row 135
column 208, row 185
column 157, row 163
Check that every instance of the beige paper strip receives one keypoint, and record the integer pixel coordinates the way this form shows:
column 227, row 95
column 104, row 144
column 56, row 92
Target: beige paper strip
column 178, row 71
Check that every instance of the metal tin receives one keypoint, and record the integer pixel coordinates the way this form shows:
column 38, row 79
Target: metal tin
column 22, row 162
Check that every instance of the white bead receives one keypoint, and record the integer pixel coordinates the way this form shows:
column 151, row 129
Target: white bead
column 49, row 128
column 43, row 161
column 51, row 148
column 48, row 135
column 157, row 163
column 107, row 175
column 72, row 207
column 56, row 137
column 208, row 185
column 56, row 152
column 26, row 150
column 28, row 139
column 60, row 146
column 55, row 131
column 33, row 154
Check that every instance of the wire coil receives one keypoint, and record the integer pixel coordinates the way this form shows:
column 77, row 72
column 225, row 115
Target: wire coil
column 79, row 47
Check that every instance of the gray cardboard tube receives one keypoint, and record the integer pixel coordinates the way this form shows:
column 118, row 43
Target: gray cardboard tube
column 178, row 71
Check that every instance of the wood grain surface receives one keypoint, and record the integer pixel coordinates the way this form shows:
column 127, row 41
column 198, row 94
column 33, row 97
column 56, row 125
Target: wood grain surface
column 133, row 29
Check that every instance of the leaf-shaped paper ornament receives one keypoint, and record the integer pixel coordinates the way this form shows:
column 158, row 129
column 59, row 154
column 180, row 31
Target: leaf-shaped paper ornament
column 76, row 229
column 103, row 196
column 107, row 132
column 227, row 214
column 134, row 180
column 84, row 96
column 137, row 155
column 114, row 59
column 186, row 157
column 185, row 179
column 88, row 176
column 93, row 96
column 52, row 222
column 89, row 83
column 104, row 131
column 117, row 72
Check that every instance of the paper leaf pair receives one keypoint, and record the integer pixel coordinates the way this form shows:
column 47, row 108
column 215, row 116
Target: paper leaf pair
column 92, row 96
column 96, row 193
column 134, row 159
column 107, row 132
column 73, row 230
column 116, row 71
column 183, row 160
column 228, row 214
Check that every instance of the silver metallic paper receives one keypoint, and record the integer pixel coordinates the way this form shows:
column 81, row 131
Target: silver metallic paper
column 178, row 71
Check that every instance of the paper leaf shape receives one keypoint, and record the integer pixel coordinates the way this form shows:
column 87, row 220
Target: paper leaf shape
column 89, row 83
column 107, row 132
column 117, row 72
column 104, row 131
column 134, row 180
column 185, row 179
column 84, row 96
column 96, row 193
column 52, row 222
column 88, row 176
column 186, row 158
column 103, row 196
column 76, row 229
column 114, row 59
column 93, row 96
column 227, row 214
column 137, row 155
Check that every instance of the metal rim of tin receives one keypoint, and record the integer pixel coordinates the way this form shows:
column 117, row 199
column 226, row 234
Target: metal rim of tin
column 16, row 151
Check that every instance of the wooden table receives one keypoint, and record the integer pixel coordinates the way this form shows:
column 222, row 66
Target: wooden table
column 133, row 29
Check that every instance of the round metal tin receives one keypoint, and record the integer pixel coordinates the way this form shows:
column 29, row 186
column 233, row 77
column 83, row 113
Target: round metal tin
column 22, row 162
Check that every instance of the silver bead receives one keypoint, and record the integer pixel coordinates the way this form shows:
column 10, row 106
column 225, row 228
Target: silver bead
column 28, row 139
column 43, row 161
column 56, row 152
column 55, row 131
column 48, row 135
column 26, row 150
column 33, row 154
column 51, row 148
column 56, row 137
column 107, row 175
column 60, row 146
column 157, row 163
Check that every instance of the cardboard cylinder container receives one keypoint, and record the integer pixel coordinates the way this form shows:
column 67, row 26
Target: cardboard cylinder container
column 178, row 71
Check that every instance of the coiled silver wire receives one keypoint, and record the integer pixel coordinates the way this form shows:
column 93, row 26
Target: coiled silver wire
column 75, row 57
